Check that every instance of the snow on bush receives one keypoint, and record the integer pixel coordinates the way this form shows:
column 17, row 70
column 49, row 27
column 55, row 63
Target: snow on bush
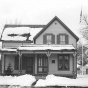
column 24, row 80
column 52, row 80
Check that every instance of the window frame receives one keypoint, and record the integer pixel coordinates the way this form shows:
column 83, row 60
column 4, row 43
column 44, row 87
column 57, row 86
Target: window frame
column 63, row 62
column 63, row 41
column 49, row 41
column 42, row 57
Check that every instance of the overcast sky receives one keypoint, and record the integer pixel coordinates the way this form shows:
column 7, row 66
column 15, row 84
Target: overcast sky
column 42, row 11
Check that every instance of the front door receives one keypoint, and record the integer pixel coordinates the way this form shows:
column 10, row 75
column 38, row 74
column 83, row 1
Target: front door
column 29, row 65
column 42, row 64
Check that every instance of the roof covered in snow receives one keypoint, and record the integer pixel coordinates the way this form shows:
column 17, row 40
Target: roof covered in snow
column 34, row 47
column 46, row 47
column 20, row 32
column 8, row 50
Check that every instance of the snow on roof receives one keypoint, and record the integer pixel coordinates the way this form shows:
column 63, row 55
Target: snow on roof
column 8, row 49
column 52, row 80
column 46, row 47
column 19, row 31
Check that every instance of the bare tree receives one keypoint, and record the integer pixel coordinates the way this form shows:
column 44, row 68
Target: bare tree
column 84, row 29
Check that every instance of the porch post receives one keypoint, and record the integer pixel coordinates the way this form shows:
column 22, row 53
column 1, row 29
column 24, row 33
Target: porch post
column 19, row 63
column 4, row 61
column 74, row 59
column 48, row 55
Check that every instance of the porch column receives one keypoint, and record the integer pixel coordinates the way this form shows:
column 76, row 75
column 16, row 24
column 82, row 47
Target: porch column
column 74, row 59
column 20, row 63
column 48, row 55
column 4, row 57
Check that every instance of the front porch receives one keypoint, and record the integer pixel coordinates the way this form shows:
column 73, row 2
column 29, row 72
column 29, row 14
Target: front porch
column 41, row 62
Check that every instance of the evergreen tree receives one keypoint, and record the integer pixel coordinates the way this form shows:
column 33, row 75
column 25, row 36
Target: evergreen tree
column 9, row 70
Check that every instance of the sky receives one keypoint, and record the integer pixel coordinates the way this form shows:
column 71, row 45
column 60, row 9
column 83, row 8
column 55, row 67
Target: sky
column 42, row 11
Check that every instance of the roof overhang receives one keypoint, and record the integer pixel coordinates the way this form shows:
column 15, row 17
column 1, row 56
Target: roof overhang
column 42, row 48
column 35, row 47
column 8, row 50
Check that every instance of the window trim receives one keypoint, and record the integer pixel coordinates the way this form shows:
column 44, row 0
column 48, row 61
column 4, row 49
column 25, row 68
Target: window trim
column 52, row 38
column 61, row 41
column 66, row 38
column 68, row 62
column 42, row 56
column 49, row 41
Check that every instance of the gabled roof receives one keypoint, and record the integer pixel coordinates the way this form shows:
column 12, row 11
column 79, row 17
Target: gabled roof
column 56, row 18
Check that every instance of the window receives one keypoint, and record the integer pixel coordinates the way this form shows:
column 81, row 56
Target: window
column 63, row 62
column 42, row 64
column 53, row 61
column 16, row 62
column 62, row 39
column 49, row 39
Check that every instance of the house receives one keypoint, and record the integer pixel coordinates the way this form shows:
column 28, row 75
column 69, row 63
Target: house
column 50, row 49
column 84, row 68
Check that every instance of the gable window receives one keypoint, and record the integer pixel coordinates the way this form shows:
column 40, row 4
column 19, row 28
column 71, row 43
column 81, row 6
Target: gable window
column 63, row 62
column 49, row 39
column 62, row 39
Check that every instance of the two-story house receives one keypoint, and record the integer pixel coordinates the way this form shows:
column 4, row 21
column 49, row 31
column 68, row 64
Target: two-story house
column 52, row 50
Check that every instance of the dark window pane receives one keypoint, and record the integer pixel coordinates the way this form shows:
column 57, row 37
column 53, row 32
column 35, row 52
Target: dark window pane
column 63, row 62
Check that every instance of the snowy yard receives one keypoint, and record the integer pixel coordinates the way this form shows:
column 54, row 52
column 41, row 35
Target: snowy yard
column 25, row 81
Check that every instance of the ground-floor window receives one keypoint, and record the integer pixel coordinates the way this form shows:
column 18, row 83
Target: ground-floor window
column 16, row 67
column 42, row 63
column 63, row 62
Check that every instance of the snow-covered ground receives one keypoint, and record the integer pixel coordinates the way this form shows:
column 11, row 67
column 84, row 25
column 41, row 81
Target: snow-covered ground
column 51, row 80
column 24, row 80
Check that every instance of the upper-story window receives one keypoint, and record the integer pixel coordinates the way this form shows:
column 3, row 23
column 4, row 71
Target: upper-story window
column 48, row 38
column 62, row 39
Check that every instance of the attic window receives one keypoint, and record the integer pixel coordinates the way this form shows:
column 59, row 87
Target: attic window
column 55, row 23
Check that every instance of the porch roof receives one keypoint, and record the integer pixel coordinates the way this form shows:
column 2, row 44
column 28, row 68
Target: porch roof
column 8, row 50
column 46, row 47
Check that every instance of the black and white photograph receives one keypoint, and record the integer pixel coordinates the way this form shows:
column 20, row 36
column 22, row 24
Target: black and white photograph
column 43, row 44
